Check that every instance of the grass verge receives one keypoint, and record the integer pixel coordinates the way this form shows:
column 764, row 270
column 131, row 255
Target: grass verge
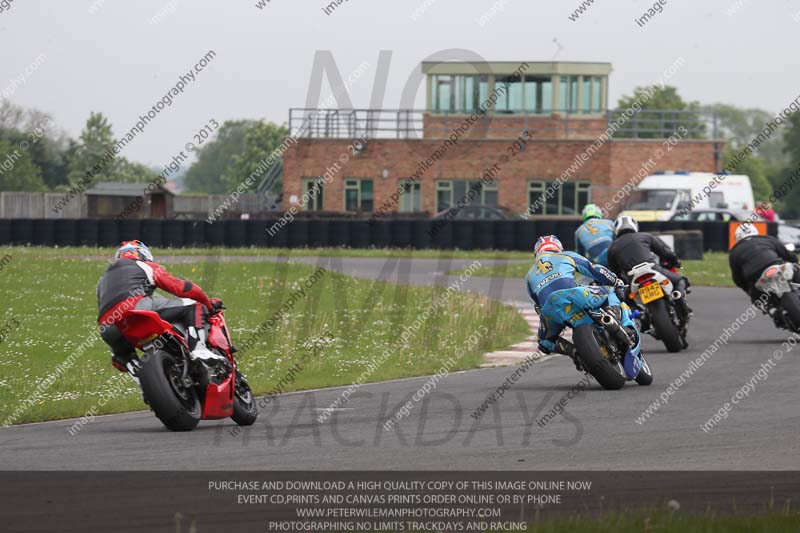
column 50, row 306
column 664, row 522
column 712, row 271
column 91, row 252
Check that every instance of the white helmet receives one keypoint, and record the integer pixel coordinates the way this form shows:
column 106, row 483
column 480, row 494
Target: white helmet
column 625, row 224
column 744, row 231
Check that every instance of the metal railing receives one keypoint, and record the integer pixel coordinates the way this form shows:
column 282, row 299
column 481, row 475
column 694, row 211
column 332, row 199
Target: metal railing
column 419, row 124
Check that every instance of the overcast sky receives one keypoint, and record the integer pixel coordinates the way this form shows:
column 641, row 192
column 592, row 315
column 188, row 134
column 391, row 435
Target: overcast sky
column 117, row 61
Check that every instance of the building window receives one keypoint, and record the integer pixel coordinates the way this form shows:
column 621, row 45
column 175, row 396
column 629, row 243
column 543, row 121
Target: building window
column 597, row 94
column 517, row 94
column 586, row 94
column 538, row 95
column 358, row 195
column 411, row 198
column 569, row 94
column 443, row 93
column 472, row 92
column 568, row 199
column 312, row 191
column 459, row 94
column 509, row 89
column 591, row 94
column 460, row 193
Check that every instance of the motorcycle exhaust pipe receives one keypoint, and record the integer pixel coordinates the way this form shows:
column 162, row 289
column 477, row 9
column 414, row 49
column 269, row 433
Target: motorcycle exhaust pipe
column 677, row 295
column 616, row 330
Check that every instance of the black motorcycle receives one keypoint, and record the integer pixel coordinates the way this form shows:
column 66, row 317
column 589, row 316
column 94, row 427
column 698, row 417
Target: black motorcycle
column 783, row 295
column 654, row 296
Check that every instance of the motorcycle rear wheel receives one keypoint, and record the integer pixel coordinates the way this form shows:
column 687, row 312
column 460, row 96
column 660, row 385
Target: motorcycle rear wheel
column 664, row 328
column 586, row 345
column 176, row 406
column 791, row 304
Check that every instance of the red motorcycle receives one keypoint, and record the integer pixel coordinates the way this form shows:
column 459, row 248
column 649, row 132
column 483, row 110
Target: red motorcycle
column 180, row 390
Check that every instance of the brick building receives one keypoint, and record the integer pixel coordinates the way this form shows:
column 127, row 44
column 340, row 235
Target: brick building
column 526, row 125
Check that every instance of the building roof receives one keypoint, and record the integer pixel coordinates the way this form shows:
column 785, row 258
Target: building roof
column 509, row 67
column 109, row 188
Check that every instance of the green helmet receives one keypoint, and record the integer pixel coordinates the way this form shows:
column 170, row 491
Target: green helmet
column 591, row 211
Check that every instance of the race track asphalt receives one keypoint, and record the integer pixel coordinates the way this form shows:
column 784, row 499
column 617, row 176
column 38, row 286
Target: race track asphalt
column 598, row 430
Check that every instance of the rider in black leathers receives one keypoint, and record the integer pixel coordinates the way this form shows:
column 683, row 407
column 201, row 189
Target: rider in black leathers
column 630, row 248
column 752, row 254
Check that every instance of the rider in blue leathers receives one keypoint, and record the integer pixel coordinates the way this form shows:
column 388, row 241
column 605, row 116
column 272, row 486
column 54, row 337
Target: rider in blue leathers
column 594, row 236
column 560, row 301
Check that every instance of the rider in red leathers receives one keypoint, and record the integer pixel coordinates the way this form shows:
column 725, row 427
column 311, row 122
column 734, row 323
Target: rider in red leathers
column 129, row 283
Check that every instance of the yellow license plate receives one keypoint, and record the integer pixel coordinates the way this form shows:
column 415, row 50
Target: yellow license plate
column 651, row 292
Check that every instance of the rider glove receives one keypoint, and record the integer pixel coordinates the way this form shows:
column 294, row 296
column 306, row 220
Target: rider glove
column 216, row 306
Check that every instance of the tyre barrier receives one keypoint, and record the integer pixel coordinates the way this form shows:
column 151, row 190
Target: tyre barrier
column 194, row 232
column 173, row 235
column 66, row 233
column 691, row 238
column 5, row 231
column 44, row 232
column 108, row 233
column 688, row 244
column 129, row 230
column 21, row 232
column 152, row 232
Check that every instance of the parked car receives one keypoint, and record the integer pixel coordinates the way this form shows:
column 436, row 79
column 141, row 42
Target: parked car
column 707, row 215
column 476, row 212
column 787, row 233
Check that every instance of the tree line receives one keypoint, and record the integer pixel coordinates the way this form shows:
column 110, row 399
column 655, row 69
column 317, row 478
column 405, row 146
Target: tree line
column 53, row 161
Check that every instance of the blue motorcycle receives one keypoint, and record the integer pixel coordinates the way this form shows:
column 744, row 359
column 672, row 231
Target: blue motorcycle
column 602, row 347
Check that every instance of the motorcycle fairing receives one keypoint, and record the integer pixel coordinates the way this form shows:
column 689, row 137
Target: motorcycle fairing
column 140, row 326
column 632, row 363
column 217, row 336
column 219, row 400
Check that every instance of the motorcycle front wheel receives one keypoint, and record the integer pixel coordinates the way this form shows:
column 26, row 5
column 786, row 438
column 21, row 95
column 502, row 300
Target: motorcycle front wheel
column 245, row 410
column 176, row 405
column 645, row 376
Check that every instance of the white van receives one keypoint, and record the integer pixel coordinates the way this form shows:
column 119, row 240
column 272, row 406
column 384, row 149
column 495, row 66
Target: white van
column 663, row 194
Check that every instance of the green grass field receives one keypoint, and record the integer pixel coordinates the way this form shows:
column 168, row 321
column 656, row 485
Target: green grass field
column 712, row 271
column 662, row 522
column 54, row 304
column 87, row 251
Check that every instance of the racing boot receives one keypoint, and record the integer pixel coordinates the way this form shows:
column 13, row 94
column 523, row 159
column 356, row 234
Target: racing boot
column 126, row 363
column 565, row 347
column 200, row 350
column 684, row 311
